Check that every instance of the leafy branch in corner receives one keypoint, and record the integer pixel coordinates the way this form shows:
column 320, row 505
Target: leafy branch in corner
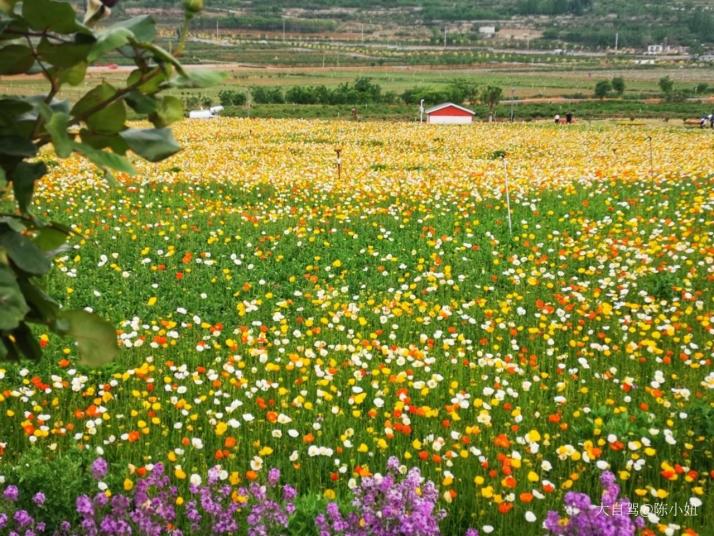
column 47, row 38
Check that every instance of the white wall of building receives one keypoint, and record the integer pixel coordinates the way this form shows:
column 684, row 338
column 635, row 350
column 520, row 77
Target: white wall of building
column 450, row 119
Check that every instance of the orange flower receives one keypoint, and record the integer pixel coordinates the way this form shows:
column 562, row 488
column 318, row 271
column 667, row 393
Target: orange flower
column 501, row 440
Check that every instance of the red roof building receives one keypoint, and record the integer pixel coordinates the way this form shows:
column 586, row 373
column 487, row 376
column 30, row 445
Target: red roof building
column 449, row 114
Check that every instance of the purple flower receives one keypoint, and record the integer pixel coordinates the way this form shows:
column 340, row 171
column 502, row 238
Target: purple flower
column 610, row 518
column 273, row 477
column 99, row 468
column 11, row 493
column 39, row 498
column 387, row 505
column 84, row 507
column 22, row 518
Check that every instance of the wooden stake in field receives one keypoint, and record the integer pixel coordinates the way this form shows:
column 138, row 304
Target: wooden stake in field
column 338, row 150
column 651, row 158
column 508, row 195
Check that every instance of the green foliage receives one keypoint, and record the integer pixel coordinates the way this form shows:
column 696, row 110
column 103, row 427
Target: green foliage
column 602, row 88
column 618, row 85
column 263, row 95
column 229, row 97
column 666, row 84
column 45, row 36
column 491, row 96
column 37, row 471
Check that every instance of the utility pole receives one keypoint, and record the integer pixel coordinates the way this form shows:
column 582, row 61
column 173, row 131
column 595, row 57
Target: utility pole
column 444, row 36
column 617, row 40
column 512, row 113
column 283, row 30
column 363, row 33
column 216, row 29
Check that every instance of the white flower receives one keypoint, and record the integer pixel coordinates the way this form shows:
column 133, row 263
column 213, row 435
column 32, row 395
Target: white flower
column 197, row 443
column 195, row 479
column 530, row 517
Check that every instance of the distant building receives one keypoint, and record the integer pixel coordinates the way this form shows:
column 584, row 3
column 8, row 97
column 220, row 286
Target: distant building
column 655, row 50
column 449, row 113
column 487, row 31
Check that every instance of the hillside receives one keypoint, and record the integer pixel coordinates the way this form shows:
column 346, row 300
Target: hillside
column 588, row 24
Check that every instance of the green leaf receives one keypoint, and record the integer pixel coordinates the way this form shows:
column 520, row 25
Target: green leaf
column 96, row 338
column 161, row 55
column 104, row 159
column 152, row 144
column 143, row 27
column 108, row 119
column 109, row 40
column 50, row 15
column 198, row 79
column 10, row 28
column 48, row 239
column 169, row 110
column 13, row 307
column 15, row 59
column 26, row 255
column 43, row 309
column 7, row 6
column 23, row 182
column 102, row 141
column 26, row 342
column 154, row 79
column 11, row 107
column 64, row 54
column 140, row 103
column 3, row 180
column 17, row 146
column 13, row 223
column 56, row 127
column 73, row 75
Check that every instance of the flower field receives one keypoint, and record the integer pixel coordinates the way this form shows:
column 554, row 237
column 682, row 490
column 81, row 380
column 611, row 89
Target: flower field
column 273, row 314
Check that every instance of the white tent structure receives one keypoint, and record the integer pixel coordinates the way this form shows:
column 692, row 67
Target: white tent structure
column 213, row 111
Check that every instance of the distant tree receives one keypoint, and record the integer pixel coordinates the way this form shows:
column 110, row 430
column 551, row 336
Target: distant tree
column 666, row 84
column 230, row 97
column 602, row 89
column 702, row 88
column 461, row 90
column 618, row 85
column 491, row 96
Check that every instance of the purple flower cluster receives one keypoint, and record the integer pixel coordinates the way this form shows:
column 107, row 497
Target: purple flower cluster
column 17, row 521
column 259, row 510
column 610, row 518
column 387, row 505
column 150, row 511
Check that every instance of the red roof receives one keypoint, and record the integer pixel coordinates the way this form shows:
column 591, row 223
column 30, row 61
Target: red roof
column 449, row 109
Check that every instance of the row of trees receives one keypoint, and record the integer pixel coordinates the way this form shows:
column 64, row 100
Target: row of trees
column 603, row 88
column 363, row 91
column 616, row 87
